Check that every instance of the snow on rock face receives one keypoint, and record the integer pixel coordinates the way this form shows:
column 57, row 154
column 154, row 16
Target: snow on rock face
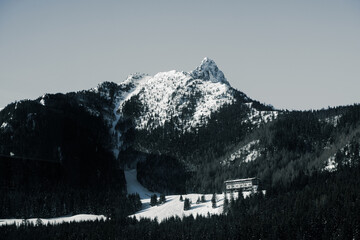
column 209, row 71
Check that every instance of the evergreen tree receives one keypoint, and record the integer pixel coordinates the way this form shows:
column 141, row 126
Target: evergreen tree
column 181, row 198
column 162, row 198
column 226, row 204
column 198, row 200
column 213, row 200
column 187, row 205
column 203, row 198
column 231, row 199
column 39, row 222
column 153, row 200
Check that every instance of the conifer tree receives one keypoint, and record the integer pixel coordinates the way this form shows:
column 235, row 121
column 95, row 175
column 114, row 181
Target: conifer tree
column 162, row 198
column 213, row 200
column 153, row 200
column 226, row 204
column 187, row 205
column 231, row 199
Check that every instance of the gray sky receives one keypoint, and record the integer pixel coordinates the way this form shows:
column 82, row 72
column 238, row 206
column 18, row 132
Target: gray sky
column 294, row 55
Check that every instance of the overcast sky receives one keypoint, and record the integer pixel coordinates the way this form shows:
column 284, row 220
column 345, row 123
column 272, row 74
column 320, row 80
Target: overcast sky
column 293, row 55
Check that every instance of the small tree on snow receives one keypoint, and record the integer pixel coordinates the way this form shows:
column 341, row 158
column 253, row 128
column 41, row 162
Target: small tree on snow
column 153, row 200
column 231, row 198
column 213, row 201
column 226, row 204
column 181, row 198
column 203, row 198
column 198, row 200
column 162, row 198
column 187, row 205
column 39, row 222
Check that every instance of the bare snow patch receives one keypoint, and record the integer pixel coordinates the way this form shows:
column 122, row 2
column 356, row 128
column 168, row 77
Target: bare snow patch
column 334, row 120
column 4, row 125
column 247, row 153
column 331, row 164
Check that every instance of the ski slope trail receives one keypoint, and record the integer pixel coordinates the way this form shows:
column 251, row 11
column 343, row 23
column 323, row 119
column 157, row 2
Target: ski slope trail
column 133, row 186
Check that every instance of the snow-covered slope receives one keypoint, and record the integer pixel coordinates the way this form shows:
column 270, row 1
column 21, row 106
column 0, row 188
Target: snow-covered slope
column 174, row 207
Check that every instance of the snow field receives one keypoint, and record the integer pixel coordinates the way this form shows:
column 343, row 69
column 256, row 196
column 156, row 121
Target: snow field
column 173, row 206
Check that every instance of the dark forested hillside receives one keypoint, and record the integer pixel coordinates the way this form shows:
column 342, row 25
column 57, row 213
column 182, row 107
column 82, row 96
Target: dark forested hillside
column 323, row 206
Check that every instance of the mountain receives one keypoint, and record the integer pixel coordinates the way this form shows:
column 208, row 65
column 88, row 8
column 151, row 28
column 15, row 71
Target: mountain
column 183, row 131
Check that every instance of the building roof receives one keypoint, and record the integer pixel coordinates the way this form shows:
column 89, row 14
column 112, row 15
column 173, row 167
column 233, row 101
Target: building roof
column 240, row 180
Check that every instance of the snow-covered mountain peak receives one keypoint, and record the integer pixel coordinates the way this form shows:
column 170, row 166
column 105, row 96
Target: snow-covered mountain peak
column 190, row 98
column 209, row 71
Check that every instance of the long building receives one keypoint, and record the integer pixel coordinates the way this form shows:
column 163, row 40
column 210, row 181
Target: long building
column 245, row 184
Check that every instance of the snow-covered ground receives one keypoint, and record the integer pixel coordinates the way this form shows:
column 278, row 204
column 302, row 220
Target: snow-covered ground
column 58, row 220
column 173, row 206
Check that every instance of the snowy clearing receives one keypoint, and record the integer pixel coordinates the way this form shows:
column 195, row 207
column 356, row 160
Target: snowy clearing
column 173, row 206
